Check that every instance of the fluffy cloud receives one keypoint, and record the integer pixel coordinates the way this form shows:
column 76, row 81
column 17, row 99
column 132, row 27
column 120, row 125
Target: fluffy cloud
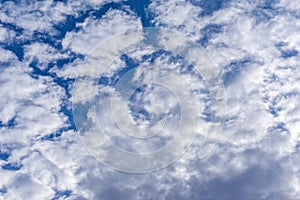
column 256, row 46
column 258, row 58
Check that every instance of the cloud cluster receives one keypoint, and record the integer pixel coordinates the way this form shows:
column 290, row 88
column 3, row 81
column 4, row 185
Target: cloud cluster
column 255, row 44
column 257, row 48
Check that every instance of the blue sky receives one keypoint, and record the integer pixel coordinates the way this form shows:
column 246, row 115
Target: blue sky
column 45, row 46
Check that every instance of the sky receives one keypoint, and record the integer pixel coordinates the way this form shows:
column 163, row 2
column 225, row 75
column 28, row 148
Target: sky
column 71, row 68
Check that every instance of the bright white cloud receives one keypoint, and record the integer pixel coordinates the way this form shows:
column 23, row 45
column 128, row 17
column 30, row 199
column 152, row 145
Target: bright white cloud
column 259, row 150
column 96, row 31
column 250, row 125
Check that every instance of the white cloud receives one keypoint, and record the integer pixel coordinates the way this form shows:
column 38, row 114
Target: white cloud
column 24, row 187
column 96, row 31
column 42, row 54
column 33, row 104
column 258, row 151
column 250, row 125
column 41, row 16
column 46, row 166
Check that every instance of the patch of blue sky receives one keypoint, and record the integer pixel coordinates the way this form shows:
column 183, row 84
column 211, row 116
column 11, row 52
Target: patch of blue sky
column 10, row 124
column 265, row 10
column 208, row 32
column 12, row 26
column 63, row 61
column 273, row 107
column 140, row 7
column 281, row 127
column 278, row 128
column 209, row 7
column 4, row 155
column 11, row 166
column 62, row 194
column 286, row 53
column 57, row 134
column 16, row 48
column 232, row 70
column 3, row 190
column 136, row 105
column 274, row 110
column 289, row 53
column 129, row 64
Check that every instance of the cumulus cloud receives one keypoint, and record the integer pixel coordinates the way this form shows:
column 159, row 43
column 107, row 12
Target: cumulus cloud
column 260, row 93
column 255, row 44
